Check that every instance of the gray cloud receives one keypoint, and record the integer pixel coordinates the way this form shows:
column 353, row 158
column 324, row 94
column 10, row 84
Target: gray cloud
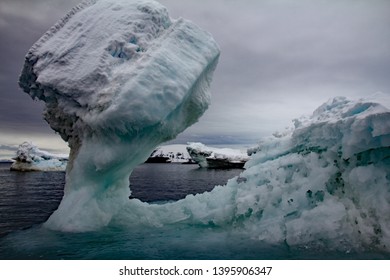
column 38, row 12
column 22, row 23
column 7, row 152
column 7, row 147
column 280, row 59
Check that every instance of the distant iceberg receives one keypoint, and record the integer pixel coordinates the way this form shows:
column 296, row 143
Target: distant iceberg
column 208, row 157
column 30, row 158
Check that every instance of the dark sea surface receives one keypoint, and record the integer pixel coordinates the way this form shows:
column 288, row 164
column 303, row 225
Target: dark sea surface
column 27, row 199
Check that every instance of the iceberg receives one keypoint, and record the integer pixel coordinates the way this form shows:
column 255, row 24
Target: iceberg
column 30, row 158
column 118, row 78
column 208, row 157
column 325, row 185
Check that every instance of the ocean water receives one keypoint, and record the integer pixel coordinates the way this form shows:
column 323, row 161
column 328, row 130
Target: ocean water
column 28, row 199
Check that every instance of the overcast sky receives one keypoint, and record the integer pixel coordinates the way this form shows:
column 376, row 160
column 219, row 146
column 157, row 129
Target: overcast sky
column 279, row 60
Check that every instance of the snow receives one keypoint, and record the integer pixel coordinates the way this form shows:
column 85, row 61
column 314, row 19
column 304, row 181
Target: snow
column 118, row 78
column 30, row 158
column 209, row 157
column 177, row 153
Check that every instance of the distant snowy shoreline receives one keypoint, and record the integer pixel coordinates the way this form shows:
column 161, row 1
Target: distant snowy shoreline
column 175, row 153
column 30, row 158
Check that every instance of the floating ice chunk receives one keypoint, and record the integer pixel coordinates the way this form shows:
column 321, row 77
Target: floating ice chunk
column 118, row 78
column 30, row 158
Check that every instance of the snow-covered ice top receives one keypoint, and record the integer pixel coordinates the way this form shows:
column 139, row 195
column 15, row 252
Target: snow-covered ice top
column 215, row 157
column 98, row 67
column 30, row 158
column 118, row 77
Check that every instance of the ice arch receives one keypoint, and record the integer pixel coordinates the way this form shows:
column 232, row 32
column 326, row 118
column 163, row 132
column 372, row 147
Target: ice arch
column 118, row 77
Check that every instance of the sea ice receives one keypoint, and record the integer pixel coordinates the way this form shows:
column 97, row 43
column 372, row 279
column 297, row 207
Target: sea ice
column 118, row 77
column 30, row 158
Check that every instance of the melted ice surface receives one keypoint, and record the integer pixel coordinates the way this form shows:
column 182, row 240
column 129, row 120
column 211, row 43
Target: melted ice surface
column 118, row 78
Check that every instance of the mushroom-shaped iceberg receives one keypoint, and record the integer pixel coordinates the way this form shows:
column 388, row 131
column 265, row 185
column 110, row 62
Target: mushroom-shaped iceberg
column 118, row 77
